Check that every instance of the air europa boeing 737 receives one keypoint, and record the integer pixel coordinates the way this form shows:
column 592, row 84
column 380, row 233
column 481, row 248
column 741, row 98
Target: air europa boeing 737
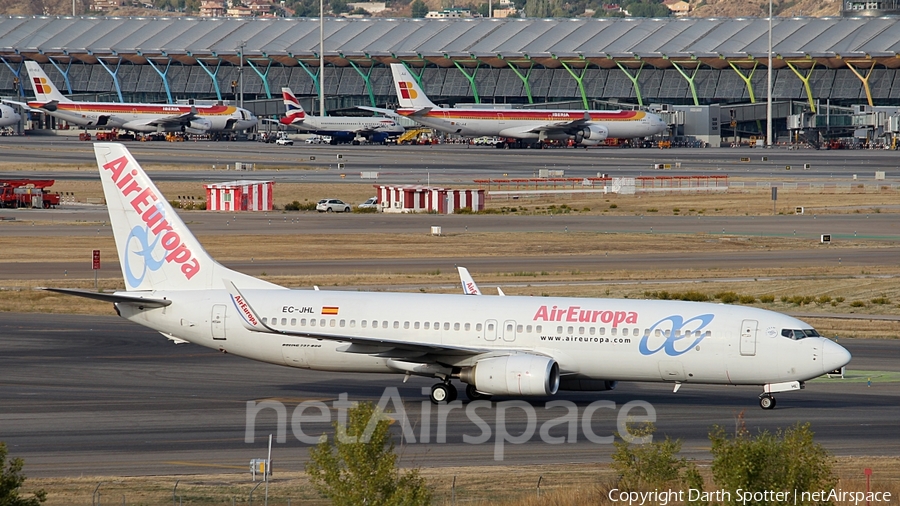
column 506, row 346
column 585, row 128
column 136, row 117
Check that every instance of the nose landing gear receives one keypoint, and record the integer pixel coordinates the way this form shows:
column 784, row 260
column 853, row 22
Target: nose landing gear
column 766, row 401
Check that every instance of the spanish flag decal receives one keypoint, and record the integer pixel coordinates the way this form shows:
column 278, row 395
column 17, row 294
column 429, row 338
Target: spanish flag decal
column 332, row 310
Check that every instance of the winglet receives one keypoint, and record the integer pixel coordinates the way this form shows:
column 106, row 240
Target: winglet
column 249, row 319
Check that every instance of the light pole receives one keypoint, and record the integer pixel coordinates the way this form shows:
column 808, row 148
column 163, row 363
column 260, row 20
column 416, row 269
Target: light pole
column 769, row 85
column 241, row 78
column 321, row 57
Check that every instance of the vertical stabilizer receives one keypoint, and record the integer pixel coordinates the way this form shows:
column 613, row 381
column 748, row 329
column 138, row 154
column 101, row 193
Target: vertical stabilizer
column 408, row 91
column 293, row 111
column 156, row 249
column 44, row 90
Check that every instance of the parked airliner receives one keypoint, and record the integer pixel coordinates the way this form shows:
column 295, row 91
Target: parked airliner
column 341, row 129
column 8, row 116
column 585, row 128
column 506, row 346
column 136, row 117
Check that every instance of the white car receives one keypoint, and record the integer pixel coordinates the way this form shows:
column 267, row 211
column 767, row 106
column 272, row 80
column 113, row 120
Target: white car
column 372, row 203
column 332, row 206
column 284, row 141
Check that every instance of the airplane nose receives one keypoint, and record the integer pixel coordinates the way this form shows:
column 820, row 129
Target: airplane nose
column 834, row 356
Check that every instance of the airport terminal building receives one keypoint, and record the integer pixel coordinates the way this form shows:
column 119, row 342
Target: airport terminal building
column 597, row 63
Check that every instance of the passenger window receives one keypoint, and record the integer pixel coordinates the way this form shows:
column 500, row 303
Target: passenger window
column 437, row 325
column 612, row 331
column 490, row 327
column 581, row 330
column 446, row 325
column 416, row 325
column 602, row 331
column 659, row 333
column 427, row 325
column 396, row 324
column 456, row 326
column 468, row 327
column 477, row 327
column 312, row 323
column 322, row 322
column 528, row 329
column 352, row 324
column 363, row 323
column 509, row 327
column 332, row 322
column 708, row 333
column 264, row 319
column 625, row 331
column 406, row 325
column 293, row 322
column 591, row 330
column 519, row 329
column 559, row 329
column 343, row 323
column 538, row 328
column 302, row 322
column 384, row 324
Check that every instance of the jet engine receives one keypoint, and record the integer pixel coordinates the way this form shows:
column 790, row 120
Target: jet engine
column 517, row 374
column 198, row 126
column 591, row 135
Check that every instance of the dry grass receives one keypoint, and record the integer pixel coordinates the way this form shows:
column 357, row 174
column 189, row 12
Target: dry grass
column 570, row 485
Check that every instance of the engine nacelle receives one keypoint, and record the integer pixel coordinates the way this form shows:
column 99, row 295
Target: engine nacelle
column 199, row 124
column 591, row 135
column 587, row 385
column 518, row 374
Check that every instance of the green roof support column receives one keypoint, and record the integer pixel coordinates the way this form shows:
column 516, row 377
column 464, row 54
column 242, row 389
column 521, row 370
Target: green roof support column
column 524, row 78
column 65, row 73
column 262, row 75
column 634, row 80
column 865, row 80
column 366, row 76
column 746, row 78
column 115, row 77
column 805, row 79
column 689, row 79
column 471, row 79
column 212, row 76
column 314, row 77
column 417, row 75
column 580, row 80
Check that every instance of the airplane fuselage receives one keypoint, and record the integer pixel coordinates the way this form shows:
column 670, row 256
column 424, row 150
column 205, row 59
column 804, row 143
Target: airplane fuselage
column 591, row 339
column 519, row 123
column 329, row 125
column 132, row 116
column 8, row 116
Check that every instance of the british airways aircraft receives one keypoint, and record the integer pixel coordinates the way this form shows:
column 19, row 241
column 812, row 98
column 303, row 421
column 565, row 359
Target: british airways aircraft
column 8, row 116
column 505, row 346
column 341, row 129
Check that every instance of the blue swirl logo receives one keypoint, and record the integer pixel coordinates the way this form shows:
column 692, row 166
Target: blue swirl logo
column 678, row 332
column 142, row 259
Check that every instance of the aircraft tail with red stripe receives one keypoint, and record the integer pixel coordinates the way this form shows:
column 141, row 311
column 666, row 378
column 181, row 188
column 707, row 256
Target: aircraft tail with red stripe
column 293, row 111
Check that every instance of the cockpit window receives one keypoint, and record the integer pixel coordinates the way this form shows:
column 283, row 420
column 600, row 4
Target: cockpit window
column 797, row 334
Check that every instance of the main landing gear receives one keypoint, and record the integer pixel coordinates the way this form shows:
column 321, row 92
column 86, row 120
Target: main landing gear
column 766, row 401
column 442, row 393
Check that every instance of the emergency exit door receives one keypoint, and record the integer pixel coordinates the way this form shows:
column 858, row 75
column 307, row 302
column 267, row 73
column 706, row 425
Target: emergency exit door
column 217, row 320
column 748, row 337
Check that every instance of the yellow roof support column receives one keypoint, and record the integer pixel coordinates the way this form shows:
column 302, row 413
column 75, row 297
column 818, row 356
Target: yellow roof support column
column 747, row 78
column 805, row 79
column 864, row 79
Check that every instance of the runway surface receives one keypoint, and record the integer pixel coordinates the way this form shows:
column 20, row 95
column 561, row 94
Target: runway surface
column 100, row 395
column 451, row 163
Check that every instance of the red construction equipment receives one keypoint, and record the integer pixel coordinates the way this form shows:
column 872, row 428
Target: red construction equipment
column 27, row 193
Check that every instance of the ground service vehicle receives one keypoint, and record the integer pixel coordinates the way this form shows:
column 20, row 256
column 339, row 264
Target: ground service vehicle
column 27, row 193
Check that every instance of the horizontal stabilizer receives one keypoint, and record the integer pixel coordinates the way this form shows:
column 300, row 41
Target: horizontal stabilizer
column 113, row 297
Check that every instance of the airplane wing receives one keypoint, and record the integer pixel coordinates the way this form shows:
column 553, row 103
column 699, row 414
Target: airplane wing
column 559, row 126
column 49, row 106
column 385, row 348
column 175, row 119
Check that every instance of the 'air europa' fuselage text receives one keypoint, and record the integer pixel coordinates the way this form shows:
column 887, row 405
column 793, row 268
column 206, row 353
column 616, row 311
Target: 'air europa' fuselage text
column 576, row 314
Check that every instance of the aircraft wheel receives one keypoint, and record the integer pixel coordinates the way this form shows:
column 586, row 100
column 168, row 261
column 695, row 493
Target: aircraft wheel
column 440, row 393
column 767, row 402
column 475, row 395
column 453, row 393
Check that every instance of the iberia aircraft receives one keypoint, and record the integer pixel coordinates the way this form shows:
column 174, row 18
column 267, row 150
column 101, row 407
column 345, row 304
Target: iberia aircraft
column 504, row 346
column 585, row 128
column 341, row 129
column 136, row 117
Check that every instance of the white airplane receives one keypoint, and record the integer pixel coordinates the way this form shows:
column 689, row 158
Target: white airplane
column 136, row 117
column 8, row 116
column 341, row 129
column 586, row 128
column 507, row 346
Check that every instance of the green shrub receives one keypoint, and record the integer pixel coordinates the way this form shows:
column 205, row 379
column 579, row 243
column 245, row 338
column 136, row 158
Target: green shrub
column 11, row 480
column 727, row 297
column 823, row 299
column 613, row 206
column 354, row 469
column 858, row 303
column 653, row 210
column 881, row 300
column 839, row 299
column 652, row 465
column 365, row 210
column 747, row 299
column 767, row 299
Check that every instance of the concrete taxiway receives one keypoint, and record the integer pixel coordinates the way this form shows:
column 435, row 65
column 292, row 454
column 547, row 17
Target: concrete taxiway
column 100, row 395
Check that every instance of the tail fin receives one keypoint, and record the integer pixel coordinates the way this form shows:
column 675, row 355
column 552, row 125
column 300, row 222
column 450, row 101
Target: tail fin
column 293, row 111
column 44, row 90
column 156, row 249
column 408, row 90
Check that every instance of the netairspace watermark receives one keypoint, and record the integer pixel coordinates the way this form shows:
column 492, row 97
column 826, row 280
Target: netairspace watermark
column 479, row 413
column 741, row 496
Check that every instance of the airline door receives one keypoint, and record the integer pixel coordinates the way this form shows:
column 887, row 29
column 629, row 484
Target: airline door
column 748, row 337
column 509, row 330
column 217, row 322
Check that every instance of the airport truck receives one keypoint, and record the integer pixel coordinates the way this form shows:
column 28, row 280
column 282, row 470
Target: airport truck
column 27, row 193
